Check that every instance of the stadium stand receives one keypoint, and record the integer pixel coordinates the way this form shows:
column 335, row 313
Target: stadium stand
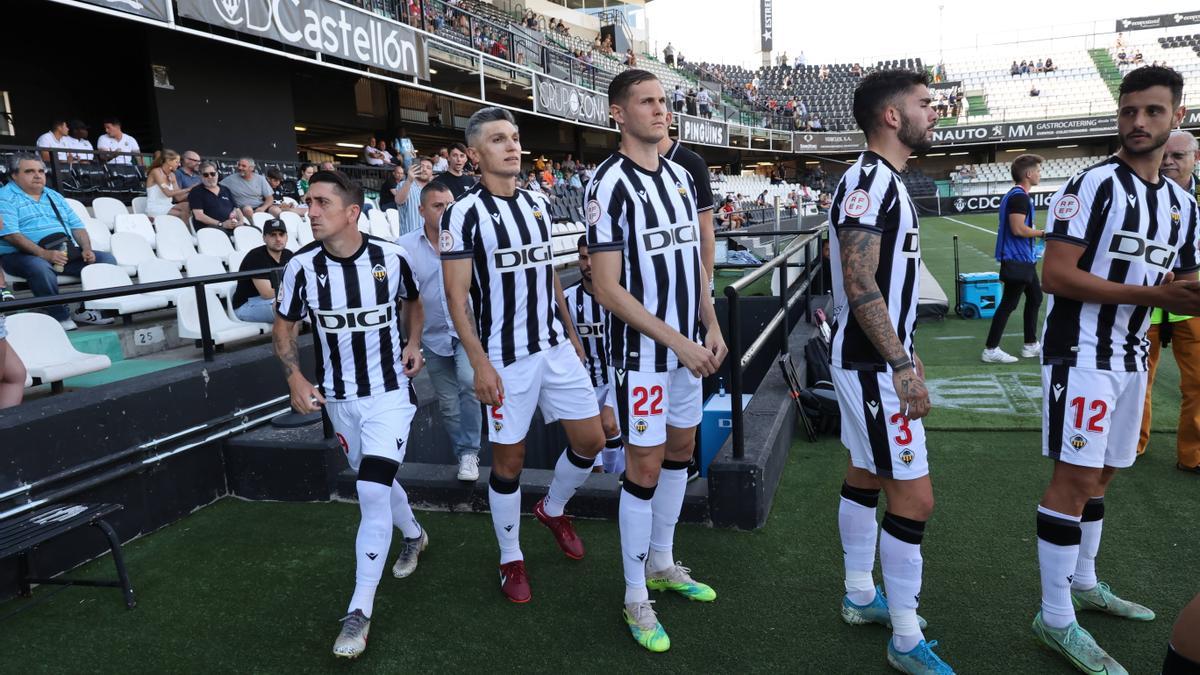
column 49, row 356
column 102, row 275
column 995, row 177
column 1075, row 87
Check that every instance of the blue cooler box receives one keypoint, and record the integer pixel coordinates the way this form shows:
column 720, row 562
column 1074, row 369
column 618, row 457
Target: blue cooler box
column 979, row 293
column 716, row 425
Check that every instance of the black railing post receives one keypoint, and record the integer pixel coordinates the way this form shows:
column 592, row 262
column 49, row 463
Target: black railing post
column 808, row 276
column 735, row 372
column 783, row 305
column 205, row 328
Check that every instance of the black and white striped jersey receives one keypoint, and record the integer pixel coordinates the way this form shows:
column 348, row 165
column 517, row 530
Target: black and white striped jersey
column 651, row 217
column 591, row 322
column 1132, row 232
column 354, row 305
column 872, row 198
column 512, row 286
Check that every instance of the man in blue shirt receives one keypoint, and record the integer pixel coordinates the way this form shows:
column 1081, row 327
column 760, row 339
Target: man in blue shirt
column 31, row 212
column 1017, row 255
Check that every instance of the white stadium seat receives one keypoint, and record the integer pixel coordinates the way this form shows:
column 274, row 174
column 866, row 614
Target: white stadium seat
column 260, row 218
column 306, row 234
column 246, row 238
column 175, row 246
column 153, row 269
column 130, row 249
column 292, row 221
column 235, row 260
column 379, row 226
column 214, row 242
column 79, row 209
column 99, row 235
column 137, row 223
column 393, row 218
column 223, row 328
column 207, row 265
column 103, row 275
column 48, row 355
column 175, row 224
column 106, row 210
column 138, row 205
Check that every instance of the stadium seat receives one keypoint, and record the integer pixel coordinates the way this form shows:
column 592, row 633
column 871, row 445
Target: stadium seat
column 223, row 329
column 259, row 219
column 235, row 260
column 103, row 275
column 215, row 243
column 364, row 223
column 48, row 355
column 153, row 269
column 175, row 246
column 207, row 265
column 393, row 219
column 130, row 249
column 246, row 238
column 306, row 234
column 292, row 222
column 99, row 235
column 79, row 209
column 169, row 222
column 137, row 223
column 138, row 205
column 106, row 210
column 379, row 226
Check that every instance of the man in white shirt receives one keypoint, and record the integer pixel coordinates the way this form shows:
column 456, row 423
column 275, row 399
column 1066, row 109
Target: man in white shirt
column 77, row 140
column 115, row 141
column 55, row 138
column 441, row 163
column 703, row 100
column 371, row 154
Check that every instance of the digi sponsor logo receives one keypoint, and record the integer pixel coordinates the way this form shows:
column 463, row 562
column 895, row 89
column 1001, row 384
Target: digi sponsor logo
column 1133, row 247
column 666, row 239
column 590, row 330
column 355, row 320
column 520, row 258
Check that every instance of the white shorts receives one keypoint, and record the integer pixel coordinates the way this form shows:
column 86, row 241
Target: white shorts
column 1091, row 417
column 375, row 425
column 605, row 398
column 553, row 380
column 879, row 438
column 647, row 403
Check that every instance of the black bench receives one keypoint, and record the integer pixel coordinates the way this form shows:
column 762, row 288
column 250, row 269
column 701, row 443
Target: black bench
column 21, row 535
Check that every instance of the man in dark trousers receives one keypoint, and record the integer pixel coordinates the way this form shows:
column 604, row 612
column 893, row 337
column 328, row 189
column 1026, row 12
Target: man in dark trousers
column 1017, row 255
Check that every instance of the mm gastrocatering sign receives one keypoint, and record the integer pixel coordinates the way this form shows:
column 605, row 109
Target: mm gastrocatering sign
column 325, row 26
column 1033, row 130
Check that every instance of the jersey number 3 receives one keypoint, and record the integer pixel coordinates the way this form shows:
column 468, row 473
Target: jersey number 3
column 642, row 396
column 905, row 435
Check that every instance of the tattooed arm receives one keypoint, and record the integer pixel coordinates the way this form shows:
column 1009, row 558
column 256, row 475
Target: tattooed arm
column 306, row 398
column 860, row 260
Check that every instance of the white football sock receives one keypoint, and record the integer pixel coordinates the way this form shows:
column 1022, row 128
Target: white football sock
column 666, row 505
column 1058, row 552
column 570, row 472
column 1090, row 527
column 900, row 559
column 372, row 543
column 858, row 529
column 402, row 514
column 506, row 516
column 635, row 515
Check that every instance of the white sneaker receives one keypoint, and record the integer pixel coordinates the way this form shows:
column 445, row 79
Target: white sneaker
column 996, row 355
column 68, row 324
column 91, row 316
column 468, row 467
column 1031, row 351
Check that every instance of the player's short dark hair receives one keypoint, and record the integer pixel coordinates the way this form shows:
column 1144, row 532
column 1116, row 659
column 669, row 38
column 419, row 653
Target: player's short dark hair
column 432, row 187
column 1145, row 77
column 459, row 147
column 1024, row 163
column 618, row 89
column 582, row 243
column 115, row 121
column 346, row 189
column 880, row 89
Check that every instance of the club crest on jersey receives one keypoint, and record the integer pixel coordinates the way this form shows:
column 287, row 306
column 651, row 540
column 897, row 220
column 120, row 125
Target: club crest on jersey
column 907, row 457
column 682, row 190
column 1175, row 215
column 537, row 213
column 1078, row 442
column 379, row 273
column 593, row 212
column 497, row 424
column 857, row 203
column 640, row 425
column 1066, row 208
column 446, row 241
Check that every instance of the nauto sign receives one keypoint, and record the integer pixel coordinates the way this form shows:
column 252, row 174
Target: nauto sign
column 983, row 203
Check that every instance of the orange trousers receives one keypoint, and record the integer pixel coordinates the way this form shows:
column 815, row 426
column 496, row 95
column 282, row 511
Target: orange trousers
column 1185, row 343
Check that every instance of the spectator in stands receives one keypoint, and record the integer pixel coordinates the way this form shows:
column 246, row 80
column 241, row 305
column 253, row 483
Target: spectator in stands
column 1137, row 58
column 573, row 179
column 442, row 162
column 1122, row 57
column 78, row 142
column 669, row 54
column 455, row 178
column 404, row 148
column 43, row 237
column 856, row 70
column 568, row 164
column 387, row 190
column 823, row 73
column 115, row 141
column 388, row 158
column 1041, row 66
column 408, row 194
column 56, row 138
column 1024, row 67
column 251, row 192
column 212, row 204
column 1014, row 69
column 690, row 101
column 531, row 21
column 630, row 58
column 1049, row 65
column 533, row 184
column 825, row 201
column 275, row 179
column 677, row 98
column 162, row 188
column 547, row 176
column 1034, row 91
column 704, row 103
column 12, row 370
column 816, row 123
column 371, row 153
column 254, row 297
column 446, row 360
column 188, row 173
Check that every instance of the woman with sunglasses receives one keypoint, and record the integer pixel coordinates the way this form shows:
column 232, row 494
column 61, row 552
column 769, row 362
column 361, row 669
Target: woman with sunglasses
column 212, row 203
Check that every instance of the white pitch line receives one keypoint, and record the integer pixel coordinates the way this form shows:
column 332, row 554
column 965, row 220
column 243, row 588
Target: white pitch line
column 975, row 227
column 970, row 337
